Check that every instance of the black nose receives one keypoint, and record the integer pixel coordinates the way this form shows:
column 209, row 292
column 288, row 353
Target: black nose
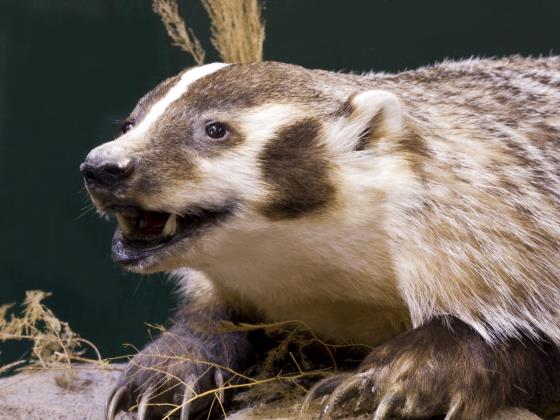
column 105, row 174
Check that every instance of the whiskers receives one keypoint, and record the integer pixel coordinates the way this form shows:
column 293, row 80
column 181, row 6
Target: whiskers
column 85, row 210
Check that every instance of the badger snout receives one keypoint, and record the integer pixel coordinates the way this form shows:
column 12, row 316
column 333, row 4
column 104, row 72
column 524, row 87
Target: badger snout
column 105, row 179
column 101, row 174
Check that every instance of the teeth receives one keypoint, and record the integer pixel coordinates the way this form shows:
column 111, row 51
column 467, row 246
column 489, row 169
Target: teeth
column 170, row 226
column 130, row 213
column 123, row 224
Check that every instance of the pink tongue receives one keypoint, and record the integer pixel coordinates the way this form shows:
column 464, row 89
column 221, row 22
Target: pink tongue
column 153, row 223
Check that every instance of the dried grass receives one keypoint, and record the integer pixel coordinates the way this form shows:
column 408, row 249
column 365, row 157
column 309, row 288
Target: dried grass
column 236, row 25
column 284, row 386
column 54, row 344
column 237, row 29
column 181, row 35
column 278, row 383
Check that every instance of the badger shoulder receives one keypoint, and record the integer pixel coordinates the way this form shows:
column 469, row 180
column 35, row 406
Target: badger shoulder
column 479, row 235
column 447, row 176
column 471, row 185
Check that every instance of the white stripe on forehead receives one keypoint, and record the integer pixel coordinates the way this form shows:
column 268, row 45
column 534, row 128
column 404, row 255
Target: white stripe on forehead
column 175, row 93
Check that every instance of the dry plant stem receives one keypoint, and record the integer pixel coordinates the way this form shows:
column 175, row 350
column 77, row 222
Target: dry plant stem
column 256, row 382
column 54, row 343
column 182, row 36
column 281, row 350
column 266, row 379
column 251, row 382
column 237, row 29
column 10, row 366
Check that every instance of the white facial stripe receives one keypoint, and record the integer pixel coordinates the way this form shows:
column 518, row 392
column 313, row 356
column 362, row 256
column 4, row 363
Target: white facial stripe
column 175, row 93
column 120, row 149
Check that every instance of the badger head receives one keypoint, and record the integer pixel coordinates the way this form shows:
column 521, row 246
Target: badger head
column 221, row 157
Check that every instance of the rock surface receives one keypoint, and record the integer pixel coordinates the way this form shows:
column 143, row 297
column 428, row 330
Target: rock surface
column 80, row 393
column 63, row 394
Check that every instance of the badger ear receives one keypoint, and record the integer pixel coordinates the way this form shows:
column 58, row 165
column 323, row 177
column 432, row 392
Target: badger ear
column 369, row 116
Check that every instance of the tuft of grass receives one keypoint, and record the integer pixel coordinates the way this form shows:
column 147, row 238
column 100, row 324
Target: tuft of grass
column 279, row 381
column 237, row 29
column 236, row 26
column 181, row 35
column 54, row 344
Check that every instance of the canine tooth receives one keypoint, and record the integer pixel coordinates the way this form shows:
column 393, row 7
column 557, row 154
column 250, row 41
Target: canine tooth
column 123, row 224
column 170, row 226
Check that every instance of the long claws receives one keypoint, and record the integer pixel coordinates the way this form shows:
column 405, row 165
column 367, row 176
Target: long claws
column 114, row 402
column 323, row 387
column 384, row 408
column 185, row 403
column 367, row 394
column 219, row 381
column 454, row 409
column 343, row 393
column 144, row 402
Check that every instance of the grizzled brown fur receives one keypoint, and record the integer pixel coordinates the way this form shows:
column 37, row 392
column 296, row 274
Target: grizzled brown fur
column 415, row 212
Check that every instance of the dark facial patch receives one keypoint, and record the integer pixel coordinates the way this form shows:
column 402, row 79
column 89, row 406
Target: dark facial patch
column 295, row 165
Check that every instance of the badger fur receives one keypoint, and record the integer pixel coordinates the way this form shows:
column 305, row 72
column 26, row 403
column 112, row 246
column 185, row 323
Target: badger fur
column 416, row 212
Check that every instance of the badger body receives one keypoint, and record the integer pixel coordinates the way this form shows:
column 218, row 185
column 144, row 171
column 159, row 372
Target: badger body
column 364, row 205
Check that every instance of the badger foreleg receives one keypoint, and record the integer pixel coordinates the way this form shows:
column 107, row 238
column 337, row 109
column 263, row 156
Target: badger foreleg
column 446, row 368
column 176, row 373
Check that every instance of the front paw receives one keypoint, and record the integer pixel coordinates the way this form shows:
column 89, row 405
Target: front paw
column 170, row 377
column 421, row 374
column 376, row 391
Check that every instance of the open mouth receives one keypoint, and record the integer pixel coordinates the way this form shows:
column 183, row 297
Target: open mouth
column 141, row 233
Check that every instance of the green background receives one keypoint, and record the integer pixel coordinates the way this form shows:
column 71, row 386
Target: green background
column 70, row 68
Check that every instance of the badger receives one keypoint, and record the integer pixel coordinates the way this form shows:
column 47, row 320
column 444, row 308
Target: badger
column 417, row 213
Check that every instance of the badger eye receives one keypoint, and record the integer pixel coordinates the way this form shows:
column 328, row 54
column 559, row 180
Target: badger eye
column 127, row 126
column 216, row 130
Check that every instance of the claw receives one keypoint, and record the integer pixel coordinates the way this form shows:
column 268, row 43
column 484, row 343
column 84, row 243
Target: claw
column 186, row 404
column 115, row 402
column 454, row 411
column 321, row 388
column 144, row 402
column 384, row 408
column 343, row 393
column 219, row 381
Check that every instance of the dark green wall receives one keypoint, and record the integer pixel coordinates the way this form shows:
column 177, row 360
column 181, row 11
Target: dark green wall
column 70, row 68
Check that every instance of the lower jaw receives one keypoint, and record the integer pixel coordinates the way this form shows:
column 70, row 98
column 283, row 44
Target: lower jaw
column 125, row 255
column 157, row 257
column 136, row 258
